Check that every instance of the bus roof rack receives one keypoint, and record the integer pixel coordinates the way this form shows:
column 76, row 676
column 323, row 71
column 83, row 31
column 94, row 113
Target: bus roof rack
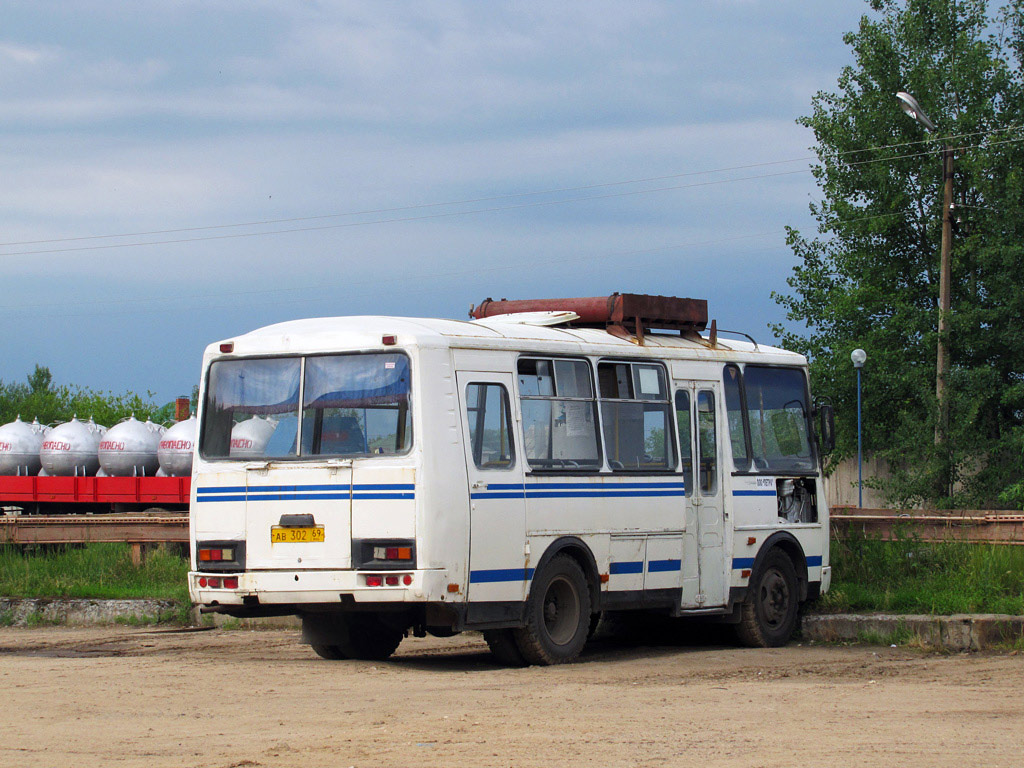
column 627, row 315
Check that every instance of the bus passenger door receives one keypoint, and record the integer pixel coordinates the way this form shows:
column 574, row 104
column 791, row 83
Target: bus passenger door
column 697, row 408
column 497, row 517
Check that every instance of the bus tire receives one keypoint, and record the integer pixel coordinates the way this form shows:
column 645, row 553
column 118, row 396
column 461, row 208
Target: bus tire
column 557, row 614
column 768, row 614
column 503, row 647
column 329, row 652
column 368, row 638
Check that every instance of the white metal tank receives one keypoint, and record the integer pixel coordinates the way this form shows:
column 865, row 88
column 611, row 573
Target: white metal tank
column 19, row 447
column 249, row 438
column 175, row 448
column 72, row 448
column 128, row 449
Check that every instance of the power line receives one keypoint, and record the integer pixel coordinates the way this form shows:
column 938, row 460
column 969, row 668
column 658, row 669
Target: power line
column 452, row 214
column 470, row 201
column 391, row 278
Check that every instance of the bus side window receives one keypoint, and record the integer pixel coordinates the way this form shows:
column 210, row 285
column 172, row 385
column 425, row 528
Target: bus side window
column 637, row 415
column 685, row 437
column 737, row 424
column 559, row 414
column 708, row 443
column 489, row 417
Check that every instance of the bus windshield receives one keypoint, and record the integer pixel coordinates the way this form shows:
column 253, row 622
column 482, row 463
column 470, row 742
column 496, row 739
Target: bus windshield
column 352, row 405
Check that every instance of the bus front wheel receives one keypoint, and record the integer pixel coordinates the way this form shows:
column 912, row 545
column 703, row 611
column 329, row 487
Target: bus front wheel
column 769, row 612
column 557, row 614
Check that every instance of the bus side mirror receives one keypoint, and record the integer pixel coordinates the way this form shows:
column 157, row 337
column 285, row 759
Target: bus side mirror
column 827, row 427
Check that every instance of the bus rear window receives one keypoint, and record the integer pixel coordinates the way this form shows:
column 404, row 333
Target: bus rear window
column 353, row 405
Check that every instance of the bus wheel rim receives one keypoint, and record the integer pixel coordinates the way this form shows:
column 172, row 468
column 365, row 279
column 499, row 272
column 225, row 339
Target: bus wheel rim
column 774, row 598
column 561, row 611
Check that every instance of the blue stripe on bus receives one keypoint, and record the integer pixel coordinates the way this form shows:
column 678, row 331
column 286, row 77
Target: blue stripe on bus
column 578, row 486
column 754, row 493
column 579, row 490
column 655, row 566
column 602, row 493
column 583, row 486
column 329, row 487
column 334, row 492
column 626, row 567
column 500, row 574
column 813, row 561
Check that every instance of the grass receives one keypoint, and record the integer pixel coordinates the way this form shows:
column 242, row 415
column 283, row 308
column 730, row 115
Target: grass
column 102, row 571
column 902, row 576
column 910, row 576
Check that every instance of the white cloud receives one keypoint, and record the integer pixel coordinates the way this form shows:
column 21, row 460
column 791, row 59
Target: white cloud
column 181, row 115
column 26, row 54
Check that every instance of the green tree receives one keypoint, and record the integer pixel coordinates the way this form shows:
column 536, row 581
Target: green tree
column 52, row 403
column 40, row 379
column 869, row 277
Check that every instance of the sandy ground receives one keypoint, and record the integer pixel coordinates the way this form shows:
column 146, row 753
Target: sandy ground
column 131, row 697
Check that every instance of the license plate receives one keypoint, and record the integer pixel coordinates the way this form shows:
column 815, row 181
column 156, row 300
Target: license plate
column 280, row 535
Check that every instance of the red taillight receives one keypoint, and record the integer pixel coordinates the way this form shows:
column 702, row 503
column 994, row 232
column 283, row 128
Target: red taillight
column 228, row 346
column 392, row 581
column 407, row 579
column 202, row 581
column 374, row 581
column 388, row 341
column 214, row 581
column 216, row 555
column 230, row 582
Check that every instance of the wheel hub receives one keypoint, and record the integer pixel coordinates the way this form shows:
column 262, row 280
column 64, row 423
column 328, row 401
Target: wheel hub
column 561, row 611
column 774, row 600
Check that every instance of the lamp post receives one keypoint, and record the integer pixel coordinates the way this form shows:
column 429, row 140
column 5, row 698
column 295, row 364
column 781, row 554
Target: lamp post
column 858, row 356
column 909, row 105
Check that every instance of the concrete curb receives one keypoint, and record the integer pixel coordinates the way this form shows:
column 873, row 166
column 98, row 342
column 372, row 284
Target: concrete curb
column 20, row 612
column 960, row 632
column 26, row 612
column 267, row 622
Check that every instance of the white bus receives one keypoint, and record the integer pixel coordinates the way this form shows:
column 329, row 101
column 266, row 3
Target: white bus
column 518, row 474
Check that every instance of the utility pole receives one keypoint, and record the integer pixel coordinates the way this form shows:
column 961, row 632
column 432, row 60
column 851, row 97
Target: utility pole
column 909, row 105
column 942, row 363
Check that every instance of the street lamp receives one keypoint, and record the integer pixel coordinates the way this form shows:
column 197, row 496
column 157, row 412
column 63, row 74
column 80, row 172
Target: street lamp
column 909, row 105
column 858, row 356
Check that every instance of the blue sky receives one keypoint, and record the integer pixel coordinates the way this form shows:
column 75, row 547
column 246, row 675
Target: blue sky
column 118, row 119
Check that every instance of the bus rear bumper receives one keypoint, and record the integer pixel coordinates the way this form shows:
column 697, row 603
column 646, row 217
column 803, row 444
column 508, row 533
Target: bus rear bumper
column 320, row 587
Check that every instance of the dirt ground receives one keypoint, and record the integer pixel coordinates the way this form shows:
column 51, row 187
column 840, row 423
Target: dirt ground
column 131, row 697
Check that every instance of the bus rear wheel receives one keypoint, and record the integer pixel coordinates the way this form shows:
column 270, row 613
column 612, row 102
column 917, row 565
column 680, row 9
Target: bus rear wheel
column 504, row 649
column 557, row 614
column 769, row 612
column 329, row 652
column 352, row 636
